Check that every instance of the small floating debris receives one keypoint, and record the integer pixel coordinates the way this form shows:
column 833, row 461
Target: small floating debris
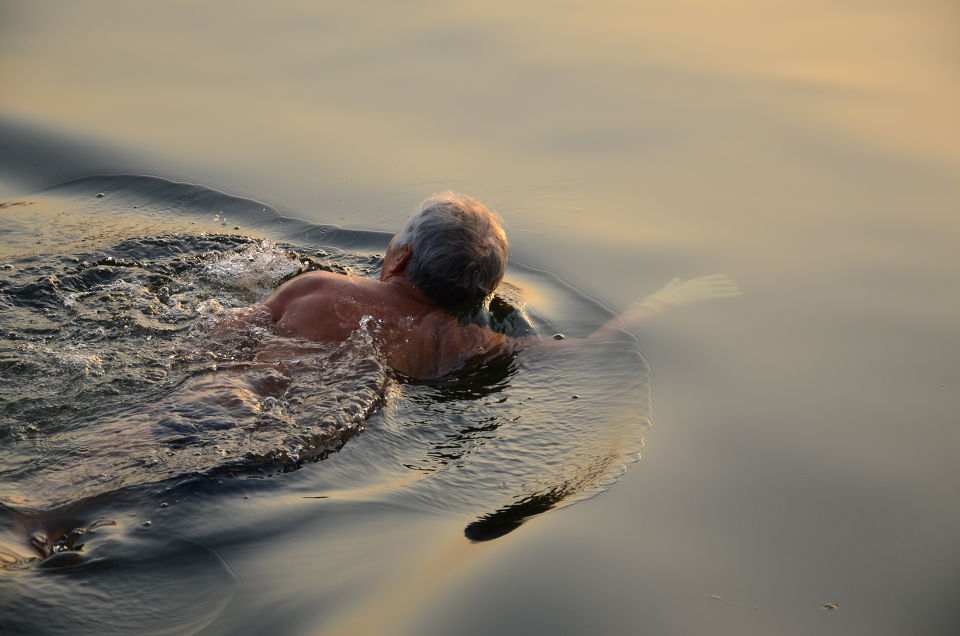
column 717, row 597
column 574, row 397
column 100, row 195
column 830, row 606
column 147, row 524
column 558, row 336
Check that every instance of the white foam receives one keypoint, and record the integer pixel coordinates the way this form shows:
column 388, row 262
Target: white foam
column 258, row 266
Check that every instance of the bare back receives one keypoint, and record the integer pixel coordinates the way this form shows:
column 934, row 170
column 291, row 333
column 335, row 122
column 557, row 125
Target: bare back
column 419, row 338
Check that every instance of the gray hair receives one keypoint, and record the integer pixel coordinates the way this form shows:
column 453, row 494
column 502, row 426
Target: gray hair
column 458, row 249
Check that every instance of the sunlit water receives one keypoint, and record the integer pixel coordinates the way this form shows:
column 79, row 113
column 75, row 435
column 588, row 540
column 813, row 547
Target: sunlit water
column 805, row 447
column 119, row 389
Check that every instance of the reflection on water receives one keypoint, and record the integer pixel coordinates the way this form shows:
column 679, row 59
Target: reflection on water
column 120, row 386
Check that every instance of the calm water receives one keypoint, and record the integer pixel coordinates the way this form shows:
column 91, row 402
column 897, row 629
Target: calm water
column 804, row 451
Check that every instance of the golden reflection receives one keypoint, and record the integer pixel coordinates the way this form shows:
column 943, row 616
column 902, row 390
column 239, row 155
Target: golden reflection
column 423, row 577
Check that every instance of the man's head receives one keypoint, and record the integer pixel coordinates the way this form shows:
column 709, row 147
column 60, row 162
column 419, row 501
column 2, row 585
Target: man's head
column 458, row 250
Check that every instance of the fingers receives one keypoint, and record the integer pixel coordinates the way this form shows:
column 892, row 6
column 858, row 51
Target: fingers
column 714, row 279
column 696, row 290
column 711, row 287
column 726, row 294
column 726, row 288
column 711, row 277
column 717, row 285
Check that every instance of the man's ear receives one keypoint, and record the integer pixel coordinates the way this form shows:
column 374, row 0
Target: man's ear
column 400, row 261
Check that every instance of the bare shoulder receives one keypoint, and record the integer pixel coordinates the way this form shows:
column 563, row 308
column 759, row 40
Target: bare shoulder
column 305, row 285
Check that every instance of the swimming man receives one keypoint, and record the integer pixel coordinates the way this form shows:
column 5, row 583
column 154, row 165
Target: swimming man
column 450, row 253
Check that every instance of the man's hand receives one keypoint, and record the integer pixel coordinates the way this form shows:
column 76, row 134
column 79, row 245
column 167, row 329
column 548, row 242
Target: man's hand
column 677, row 293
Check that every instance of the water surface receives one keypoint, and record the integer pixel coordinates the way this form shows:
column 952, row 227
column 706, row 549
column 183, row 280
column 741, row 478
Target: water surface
column 805, row 446
column 122, row 393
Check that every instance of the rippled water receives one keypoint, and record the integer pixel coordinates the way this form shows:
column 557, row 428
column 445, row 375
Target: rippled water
column 801, row 477
column 120, row 390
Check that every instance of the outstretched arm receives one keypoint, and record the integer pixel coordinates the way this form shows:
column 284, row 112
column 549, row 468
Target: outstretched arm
column 676, row 293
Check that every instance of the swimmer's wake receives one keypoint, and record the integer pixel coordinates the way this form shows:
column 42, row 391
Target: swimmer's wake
column 146, row 363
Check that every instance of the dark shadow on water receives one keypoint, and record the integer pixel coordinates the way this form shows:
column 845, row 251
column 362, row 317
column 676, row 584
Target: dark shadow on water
column 36, row 156
column 509, row 518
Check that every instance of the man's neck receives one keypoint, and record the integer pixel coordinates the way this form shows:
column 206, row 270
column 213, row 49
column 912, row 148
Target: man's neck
column 400, row 285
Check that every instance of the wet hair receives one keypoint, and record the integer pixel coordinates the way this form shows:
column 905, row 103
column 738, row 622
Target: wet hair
column 458, row 249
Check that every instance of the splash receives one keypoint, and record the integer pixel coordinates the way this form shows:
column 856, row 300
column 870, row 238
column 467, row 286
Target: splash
column 193, row 401
column 257, row 267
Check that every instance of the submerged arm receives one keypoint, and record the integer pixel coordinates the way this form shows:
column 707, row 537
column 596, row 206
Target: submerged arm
column 676, row 293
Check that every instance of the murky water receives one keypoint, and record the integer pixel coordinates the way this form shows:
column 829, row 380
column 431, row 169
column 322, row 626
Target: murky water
column 801, row 475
